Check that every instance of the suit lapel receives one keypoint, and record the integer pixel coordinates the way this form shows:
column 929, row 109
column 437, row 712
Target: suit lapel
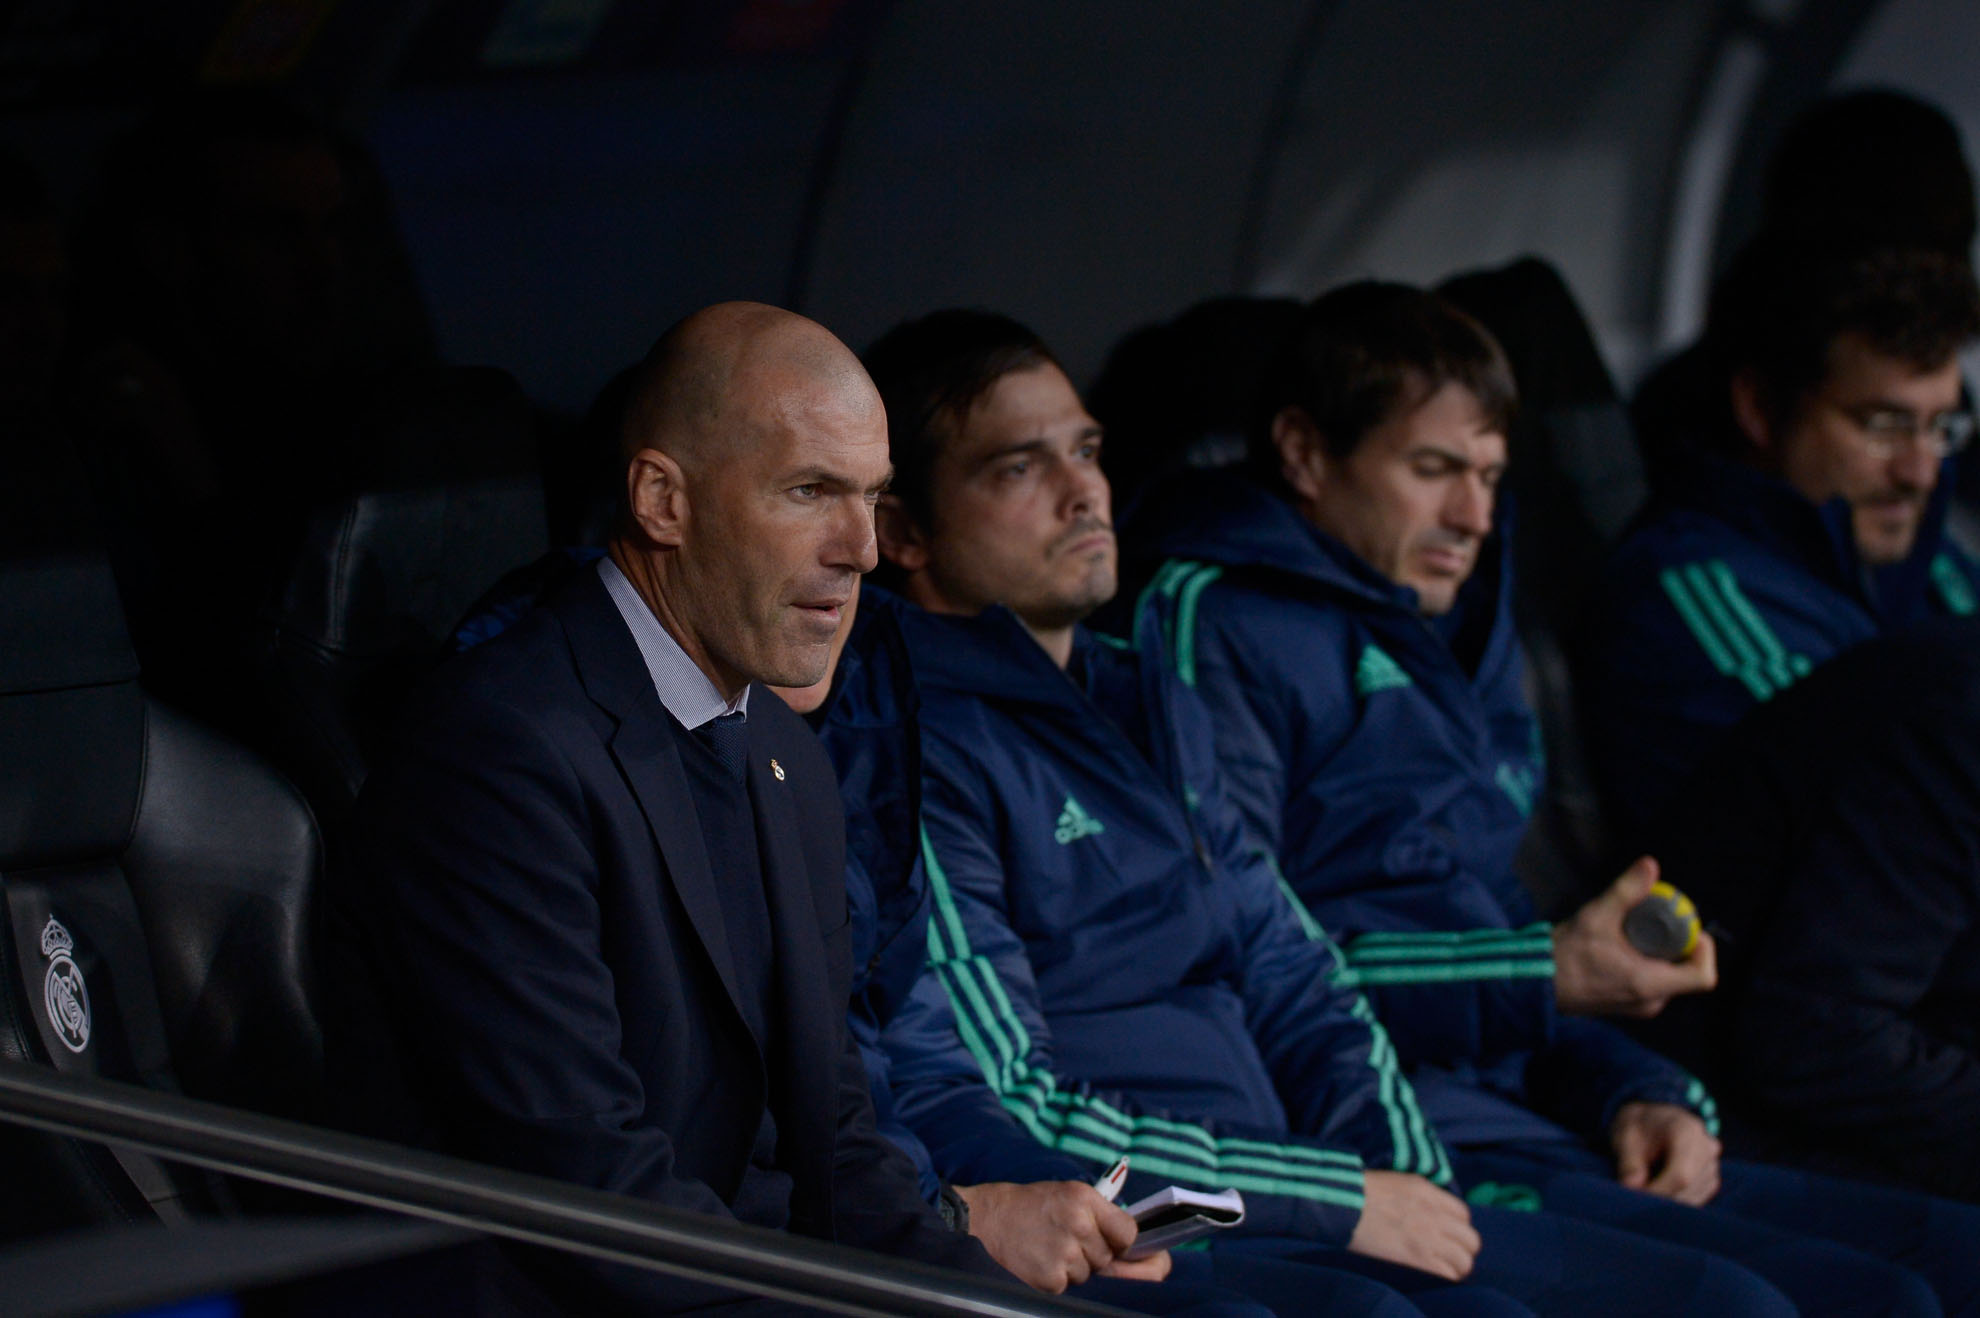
column 644, row 747
column 614, row 673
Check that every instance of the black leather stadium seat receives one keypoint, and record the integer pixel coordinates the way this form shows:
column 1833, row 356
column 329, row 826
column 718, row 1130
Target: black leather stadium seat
column 1575, row 479
column 155, row 880
column 450, row 499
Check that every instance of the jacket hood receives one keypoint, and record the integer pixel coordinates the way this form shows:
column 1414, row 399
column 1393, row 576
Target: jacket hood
column 991, row 655
column 873, row 686
column 869, row 728
column 1231, row 521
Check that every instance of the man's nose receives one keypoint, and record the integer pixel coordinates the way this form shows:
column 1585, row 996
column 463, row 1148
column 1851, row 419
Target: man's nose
column 1087, row 493
column 1915, row 465
column 853, row 544
column 1469, row 507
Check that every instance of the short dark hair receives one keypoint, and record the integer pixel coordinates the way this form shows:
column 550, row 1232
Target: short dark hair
column 930, row 371
column 1783, row 303
column 1368, row 352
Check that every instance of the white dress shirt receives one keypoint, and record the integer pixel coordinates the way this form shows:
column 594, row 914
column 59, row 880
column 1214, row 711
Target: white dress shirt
column 684, row 689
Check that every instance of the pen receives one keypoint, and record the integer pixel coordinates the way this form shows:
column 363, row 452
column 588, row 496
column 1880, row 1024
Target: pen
column 1109, row 1185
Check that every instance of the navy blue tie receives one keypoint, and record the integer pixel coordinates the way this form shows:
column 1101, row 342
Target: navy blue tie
column 728, row 736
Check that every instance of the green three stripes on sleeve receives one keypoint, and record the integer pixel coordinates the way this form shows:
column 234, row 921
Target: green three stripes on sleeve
column 1417, row 1149
column 1698, row 1100
column 1447, row 958
column 1088, row 1127
column 1730, row 630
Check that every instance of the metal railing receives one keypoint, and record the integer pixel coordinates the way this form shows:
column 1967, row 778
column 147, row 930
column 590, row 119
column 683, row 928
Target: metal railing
column 513, row 1205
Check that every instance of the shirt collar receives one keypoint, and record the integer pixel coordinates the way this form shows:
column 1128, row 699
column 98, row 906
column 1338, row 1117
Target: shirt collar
column 683, row 688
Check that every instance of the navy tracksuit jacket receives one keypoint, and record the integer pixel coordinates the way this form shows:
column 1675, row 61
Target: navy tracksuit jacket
column 899, row 1013
column 868, row 728
column 1129, row 973
column 1731, row 588
column 1390, row 762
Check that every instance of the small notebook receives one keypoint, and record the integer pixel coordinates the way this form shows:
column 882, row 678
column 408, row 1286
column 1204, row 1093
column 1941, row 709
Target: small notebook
column 1176, row 1216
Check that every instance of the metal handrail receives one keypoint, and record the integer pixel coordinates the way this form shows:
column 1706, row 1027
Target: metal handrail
column 514, row 1205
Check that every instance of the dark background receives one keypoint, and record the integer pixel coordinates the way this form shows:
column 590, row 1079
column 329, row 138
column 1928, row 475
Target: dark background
column 569, row 176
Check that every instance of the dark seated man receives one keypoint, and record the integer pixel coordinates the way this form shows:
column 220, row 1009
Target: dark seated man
column 1029, row 1203
column 1348, row 618
column 1836, row 839
column 1808, row 515
column 1041, row 1218
column 595, row 922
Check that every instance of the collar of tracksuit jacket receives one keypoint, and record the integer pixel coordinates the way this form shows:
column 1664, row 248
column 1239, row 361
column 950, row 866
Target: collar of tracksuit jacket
column 1818, row 538
column 1227, row 521
column 994, row 657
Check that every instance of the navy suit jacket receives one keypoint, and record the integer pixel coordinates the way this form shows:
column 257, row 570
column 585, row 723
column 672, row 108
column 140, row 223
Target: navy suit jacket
column 523, row 961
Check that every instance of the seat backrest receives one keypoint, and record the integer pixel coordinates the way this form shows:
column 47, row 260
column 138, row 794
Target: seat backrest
column 1576, row 478
column 155, row 880
column 449, row 500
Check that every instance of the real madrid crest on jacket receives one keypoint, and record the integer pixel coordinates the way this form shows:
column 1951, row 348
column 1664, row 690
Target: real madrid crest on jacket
column 1130, row 973
column 1390, row 761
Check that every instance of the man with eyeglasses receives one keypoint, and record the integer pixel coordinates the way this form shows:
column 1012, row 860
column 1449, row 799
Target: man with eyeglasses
column 1810, row 518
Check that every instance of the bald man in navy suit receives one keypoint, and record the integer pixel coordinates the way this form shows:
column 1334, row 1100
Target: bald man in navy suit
column 593, row 924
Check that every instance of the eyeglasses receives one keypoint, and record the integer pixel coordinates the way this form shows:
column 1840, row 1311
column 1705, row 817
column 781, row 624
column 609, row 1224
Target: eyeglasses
column 1888, row 429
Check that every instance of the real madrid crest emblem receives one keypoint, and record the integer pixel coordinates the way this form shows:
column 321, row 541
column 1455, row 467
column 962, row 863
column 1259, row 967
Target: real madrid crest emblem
column 62, row 990
column 777, row 769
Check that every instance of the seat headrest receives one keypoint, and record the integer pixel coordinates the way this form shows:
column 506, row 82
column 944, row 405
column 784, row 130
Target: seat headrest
column 63, row 621
column 394, row 570
column 448, row 500
column 1531, row 312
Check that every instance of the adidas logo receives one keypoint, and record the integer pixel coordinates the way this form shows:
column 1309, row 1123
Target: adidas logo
column 1378, row 672
column 1075, row 823
column 1518, row 785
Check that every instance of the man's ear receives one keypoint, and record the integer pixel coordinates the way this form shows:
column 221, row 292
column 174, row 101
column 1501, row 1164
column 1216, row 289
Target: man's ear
column 656, row 496
column 1749, row 408
column 904, row 543
column 1302, row 457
